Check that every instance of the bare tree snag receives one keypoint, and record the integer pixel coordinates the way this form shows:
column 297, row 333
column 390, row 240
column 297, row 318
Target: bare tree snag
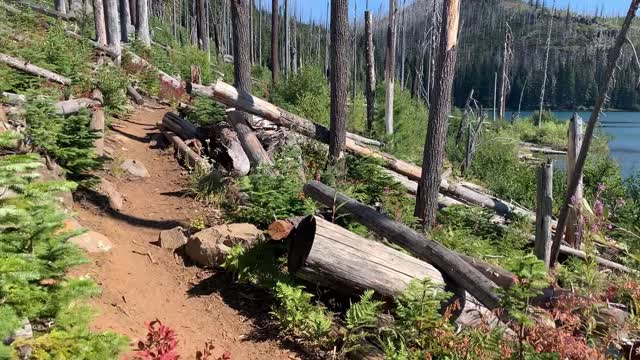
column 203, row 35
column 112, row 24
column 614, row 55
column 339, row 78
column 390, row 66
column 275, row 26
column 427, row 200
column 287, row 40
column 26, row 66
column 142, row 22
column 574, row 230
column 507, row 55
column 242, row 71
column 101, row 29
column 371, row 70
column 546, row 65
column 544, row 212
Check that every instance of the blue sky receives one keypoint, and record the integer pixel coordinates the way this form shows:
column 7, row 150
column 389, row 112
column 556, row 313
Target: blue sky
column 317, row 9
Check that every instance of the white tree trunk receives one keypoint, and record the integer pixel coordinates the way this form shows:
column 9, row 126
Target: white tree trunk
column 142, row 29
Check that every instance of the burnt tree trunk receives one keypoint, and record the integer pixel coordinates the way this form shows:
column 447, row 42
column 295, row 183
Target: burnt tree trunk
column 242, row 71
column 427, row 200
column 125, row 20
column 275, row 26
column 339, row 78
column 61, row 6
column 371, row 70
column 203, row 36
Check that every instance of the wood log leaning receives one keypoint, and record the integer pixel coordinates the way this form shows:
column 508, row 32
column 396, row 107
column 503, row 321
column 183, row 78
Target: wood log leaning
column 228, row 150
column 328, row 255
column 33, row 69
column 182, row 127
column 465, row 275
column 184, row 152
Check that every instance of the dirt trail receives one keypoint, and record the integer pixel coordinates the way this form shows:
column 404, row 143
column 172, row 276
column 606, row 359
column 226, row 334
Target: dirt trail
column 142, row 282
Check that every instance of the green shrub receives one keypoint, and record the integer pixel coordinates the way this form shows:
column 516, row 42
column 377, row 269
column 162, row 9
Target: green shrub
column 67, row 140
column 113, row 84
column 33, row 248
column 205, row 112
column 305, row 94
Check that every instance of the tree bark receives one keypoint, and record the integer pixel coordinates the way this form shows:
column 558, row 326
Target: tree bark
column 275, row 26
column 32, row 69
column 203, row 35
column 61, row 6
column 458, row 270
column 544, row 211
column 339, row 78
column 97, row 121
column 142, row 24
column 574, row 228
column 101, row 30
column 614, row 54
column 371, row 71
column 390, row 67
column 287, row 40
column 112, row 23
column 125, row 20
column 426, row 202
column 242, row 71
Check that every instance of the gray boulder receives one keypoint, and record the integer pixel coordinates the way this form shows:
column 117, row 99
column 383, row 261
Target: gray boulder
column 135, row 168
column 210, row 247
column 173, row 238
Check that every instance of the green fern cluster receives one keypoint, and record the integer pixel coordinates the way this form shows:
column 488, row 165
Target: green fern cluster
column 34, row 258
column 68, row 140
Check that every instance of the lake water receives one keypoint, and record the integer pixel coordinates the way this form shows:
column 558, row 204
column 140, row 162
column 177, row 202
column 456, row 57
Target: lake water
column 624, row 130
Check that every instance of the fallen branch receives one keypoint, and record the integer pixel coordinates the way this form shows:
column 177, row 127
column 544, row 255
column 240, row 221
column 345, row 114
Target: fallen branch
column 135, row 95
column 34, row 70
column 183, row 151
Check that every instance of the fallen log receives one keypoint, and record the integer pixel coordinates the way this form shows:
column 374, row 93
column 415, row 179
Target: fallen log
column 97, row 121
column 226, row 148
column 182, row 127
column 541, row 150
column 165, row 78
column 184, row 152
column 232, row 97
column 465, row 275
column 46, row 11
column 66, row 107
column 135, row 95
column 326, row 254
column 34, row 70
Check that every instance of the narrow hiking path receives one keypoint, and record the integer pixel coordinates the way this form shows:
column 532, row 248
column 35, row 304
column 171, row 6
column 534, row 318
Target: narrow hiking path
column 142, row 282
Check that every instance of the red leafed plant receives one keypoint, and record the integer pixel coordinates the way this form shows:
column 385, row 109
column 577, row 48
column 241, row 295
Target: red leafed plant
column 160, row 344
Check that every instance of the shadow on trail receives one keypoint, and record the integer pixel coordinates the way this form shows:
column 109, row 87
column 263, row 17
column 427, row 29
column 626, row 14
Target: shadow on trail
column 250, row 302
column 145, row 139
column 102, row 202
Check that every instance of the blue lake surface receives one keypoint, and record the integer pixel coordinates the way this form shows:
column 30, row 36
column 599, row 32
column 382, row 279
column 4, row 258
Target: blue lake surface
column 624, row 130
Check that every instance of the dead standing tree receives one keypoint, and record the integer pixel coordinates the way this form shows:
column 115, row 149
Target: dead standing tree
column 339, row 78
column 427, row 199
column 612, row 60
column 242, row 71
column 390, row 66
column 101, row 30
column 546, row 65
column 142, row 24
column 275, row 25
column 371, row 70
column 507, row 56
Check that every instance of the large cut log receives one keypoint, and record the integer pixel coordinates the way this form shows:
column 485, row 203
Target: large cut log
column 465, row 275
column 232, row 97
column 326, row 254
column 32, row 69
column 226, row 148
column 97, row 121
